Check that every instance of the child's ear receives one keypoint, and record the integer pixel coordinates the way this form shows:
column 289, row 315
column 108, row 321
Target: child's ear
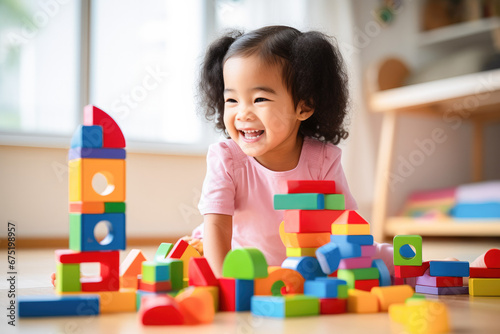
column 304, row 110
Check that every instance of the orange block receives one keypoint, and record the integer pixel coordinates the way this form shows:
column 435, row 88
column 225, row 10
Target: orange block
column 82, row 172
column 359, row 301
column 129, row 282
column 86, row 207
column 303, row 240
column 388, row 295
column 132, row 264
column 196, row 305
column 291, row 279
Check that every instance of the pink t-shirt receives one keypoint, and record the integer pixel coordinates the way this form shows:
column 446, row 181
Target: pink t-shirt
column 237, row 185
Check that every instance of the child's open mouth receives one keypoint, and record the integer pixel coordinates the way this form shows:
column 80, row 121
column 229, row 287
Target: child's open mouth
column 251, row 134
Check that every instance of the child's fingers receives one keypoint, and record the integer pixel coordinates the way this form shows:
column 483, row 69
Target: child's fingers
column 53, row 279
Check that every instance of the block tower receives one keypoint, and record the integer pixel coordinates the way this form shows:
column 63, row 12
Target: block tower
column 97, row 151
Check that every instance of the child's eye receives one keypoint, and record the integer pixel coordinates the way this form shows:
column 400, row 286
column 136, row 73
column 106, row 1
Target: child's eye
column 230, row 101
column 261, row 99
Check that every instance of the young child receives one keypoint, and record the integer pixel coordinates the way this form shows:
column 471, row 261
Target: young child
column 281, row 96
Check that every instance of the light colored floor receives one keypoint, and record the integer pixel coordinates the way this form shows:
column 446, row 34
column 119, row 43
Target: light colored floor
column 468, row 314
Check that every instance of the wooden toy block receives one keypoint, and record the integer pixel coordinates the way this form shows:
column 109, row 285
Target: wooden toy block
column 397, row 281
column 163, row 250
column 159, row 286
column 415, row 298
column 334, row 202
column 412, row 240
column 244, row 263
column 82, row 172
column 307, row 266
column 176, row 273
column 354, row 229
column 411, row 281
column 422, row 317
column 56, row 306
column 310, row 221
column 325, row 288
column 406, row 251
column 366, row 284
column 81, row 231
column 243, row 293
column 303, row 240
column 449, row 268
column 109, row 268
column 284, row 307
column 200, row 273
column 114, row 207
column 484, row 287
column 328, row 257
column 411, row 271
column 299, row 202
column 112, row 134
column 356, row 263
column 360, row 301
column 183, row 251
column 96, row 153
column 484, row 272
column 68, row 277
column 129, row 282
column 342, row 289
column 385, row 276
column 293, row 282
column 352, row 239
column 140, row 294
column 87, row 136
column 368, row 250
column 348, row 250
column 442, row 281
column 132, row 264
column 86, row 207
column 197, row 306
column 310, row 186
column 213, row 290
column 155, row 272
column 492, row 258
column 123, row 300
column 352, row 275
column 350, row 217
column 297, row 252
column 389, row 295
column 446, row 290
column 332, row 305
column 159, row 311
column 227, row 294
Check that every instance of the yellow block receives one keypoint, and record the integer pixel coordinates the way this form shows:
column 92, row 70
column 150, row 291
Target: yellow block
column 420, row 317
column 484, row 287
column 351, row 229
column 123, row 300
column 294, row 252
column 129, row 282
column 82, row 172
column 189, row 252
column 359, row 301
column 388, row 295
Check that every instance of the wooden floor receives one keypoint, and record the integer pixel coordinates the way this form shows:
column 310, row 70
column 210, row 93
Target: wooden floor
column 468, row 314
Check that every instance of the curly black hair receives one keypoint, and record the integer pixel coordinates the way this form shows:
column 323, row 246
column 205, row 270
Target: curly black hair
column 312, row 69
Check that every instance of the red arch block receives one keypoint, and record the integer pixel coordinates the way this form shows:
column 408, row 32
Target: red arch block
column 112, row 134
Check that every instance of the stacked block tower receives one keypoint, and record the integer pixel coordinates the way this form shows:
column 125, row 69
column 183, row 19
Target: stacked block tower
column 486, row 281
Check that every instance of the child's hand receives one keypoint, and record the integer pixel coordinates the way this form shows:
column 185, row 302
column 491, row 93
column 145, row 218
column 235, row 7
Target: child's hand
column 53, row 279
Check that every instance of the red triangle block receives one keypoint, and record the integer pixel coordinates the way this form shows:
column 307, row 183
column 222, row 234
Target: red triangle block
column 200, row 273
column 178, row 249
column 160, row 310
column 112, row 135
column 350, row 217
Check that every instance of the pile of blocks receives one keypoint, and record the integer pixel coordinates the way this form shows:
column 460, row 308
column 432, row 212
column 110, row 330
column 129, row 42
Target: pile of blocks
column 486, row 281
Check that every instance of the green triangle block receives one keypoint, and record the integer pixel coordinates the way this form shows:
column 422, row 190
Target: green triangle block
column 245, row 263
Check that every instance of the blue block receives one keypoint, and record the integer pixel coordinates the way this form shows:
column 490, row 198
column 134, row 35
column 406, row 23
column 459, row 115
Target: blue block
column 307, row 266
column 348, row 250
column 89, row 136
column 243, row 294
column 385, row 277
column 328, row 257
column 81, row 232
column 406, row 251
column 366, row 239
column 449, row 268
column 56, row 306
column 323, row 288
column 97, row 153
column 476, row 210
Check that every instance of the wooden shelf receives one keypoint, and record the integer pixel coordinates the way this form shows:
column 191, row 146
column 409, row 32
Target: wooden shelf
column 442, row 227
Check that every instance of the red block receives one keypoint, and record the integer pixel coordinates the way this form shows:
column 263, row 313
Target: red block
column 366, row 284
column 161, row 286
column 492, row 258
column 443, row 281
column 350, row 217
column 200, row 273
column 160, row 310
column 227, row 294
column 332, row 305
column 398, row 281
column 310, row 186
column 411, row 271
column 309, row 221
column 112, row 135
column 178, row 249
column 109, row 268
column 484, row 272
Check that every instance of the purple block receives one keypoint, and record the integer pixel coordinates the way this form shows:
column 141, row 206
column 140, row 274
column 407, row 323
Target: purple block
column 447, row 290
column 368, row 250
column 96, row 153
column 356, row 263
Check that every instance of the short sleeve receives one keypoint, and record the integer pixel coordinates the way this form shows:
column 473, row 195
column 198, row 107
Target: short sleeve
column 332, row 170
column 218, row 191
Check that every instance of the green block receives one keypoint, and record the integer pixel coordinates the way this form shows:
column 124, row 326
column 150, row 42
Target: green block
column 301, row 305
column 335, row 202
column 299, row 202
column 176, row 273
column 75, row 231
column 68, row 277
column 412, row 240
column 342, row 291
column 276, row 288
column 114, row 207
column 244, row 263
column 153, row 272
column 352, row 275
column 415, row 297
column 162, row 251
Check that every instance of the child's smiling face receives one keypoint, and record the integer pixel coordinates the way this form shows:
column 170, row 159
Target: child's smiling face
column 259, row 112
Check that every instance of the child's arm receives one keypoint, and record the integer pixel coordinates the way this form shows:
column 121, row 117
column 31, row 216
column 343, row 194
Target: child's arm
column 217, row 240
